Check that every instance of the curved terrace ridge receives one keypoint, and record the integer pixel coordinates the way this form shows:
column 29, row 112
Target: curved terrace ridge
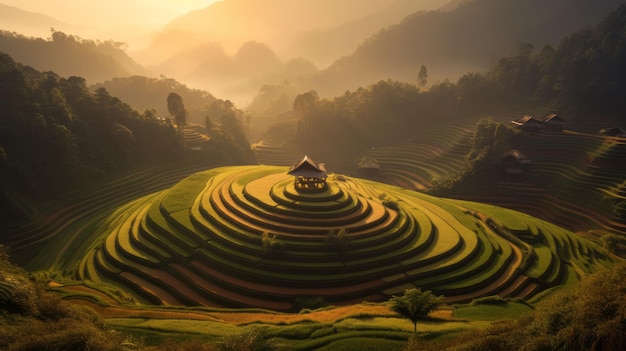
column 246, row 237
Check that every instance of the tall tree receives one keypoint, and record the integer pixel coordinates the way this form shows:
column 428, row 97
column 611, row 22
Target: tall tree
column 176, row 108
column 422, row 76
column 306, row 104
column 415, row 304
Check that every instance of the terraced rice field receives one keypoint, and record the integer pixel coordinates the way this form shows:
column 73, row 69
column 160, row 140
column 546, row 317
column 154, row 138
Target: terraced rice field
column 432, row 154
column 575, row 180
column 245, row 237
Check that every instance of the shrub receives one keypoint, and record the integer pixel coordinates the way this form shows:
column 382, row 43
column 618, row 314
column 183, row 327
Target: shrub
column 66, row 334
column 593, row 314
column 32, row 319
column 183, row 346
column 340, row 177
column 309, row 303
column 391, row 204
column 17, row 295
column 252, row 340
column 489, row 300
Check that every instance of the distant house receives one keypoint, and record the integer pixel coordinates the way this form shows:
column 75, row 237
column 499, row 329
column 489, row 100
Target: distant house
column 554, row 123
column 310, row 176
column 514, row 162
column 528, row 124
column 614, row 132
column 368, row 167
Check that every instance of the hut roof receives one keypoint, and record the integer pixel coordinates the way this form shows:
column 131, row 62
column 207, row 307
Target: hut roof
column 527, row 121
column 615, row 131
column 308, row 168
column 553, row 117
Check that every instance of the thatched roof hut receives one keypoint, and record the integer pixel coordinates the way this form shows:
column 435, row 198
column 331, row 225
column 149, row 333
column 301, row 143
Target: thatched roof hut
column 308, row 168
column 309, row 175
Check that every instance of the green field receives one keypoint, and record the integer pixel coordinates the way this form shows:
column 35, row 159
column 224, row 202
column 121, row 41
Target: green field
column 190, row 262
column 200, row 243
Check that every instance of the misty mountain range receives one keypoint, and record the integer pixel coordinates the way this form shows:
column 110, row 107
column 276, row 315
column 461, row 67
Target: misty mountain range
column 233, row 48
column 29, row 23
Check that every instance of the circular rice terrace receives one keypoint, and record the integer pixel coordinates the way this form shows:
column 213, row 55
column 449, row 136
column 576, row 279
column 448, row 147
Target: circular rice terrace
column 245, row 237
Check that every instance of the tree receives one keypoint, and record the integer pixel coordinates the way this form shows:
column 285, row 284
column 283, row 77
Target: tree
column 208, row 124
column 269, row 242
column 176, row 108
column 306, row 104
column 338, row 240
column 415, row 304
column 422, row 76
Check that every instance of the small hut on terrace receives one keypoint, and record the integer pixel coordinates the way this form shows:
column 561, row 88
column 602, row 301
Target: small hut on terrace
column 554, row 122
column 367, row 167
column 310, row 176
column 618, row 132
column 528, row 124
column 514, row 162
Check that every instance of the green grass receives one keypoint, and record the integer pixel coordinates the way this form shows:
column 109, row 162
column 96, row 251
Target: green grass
column 353, row 333
column 363, row 344
column 217, row 217
column 487, row 312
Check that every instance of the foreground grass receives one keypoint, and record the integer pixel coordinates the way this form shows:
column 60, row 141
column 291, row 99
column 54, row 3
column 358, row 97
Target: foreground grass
column 357, row 327
column 487, row 312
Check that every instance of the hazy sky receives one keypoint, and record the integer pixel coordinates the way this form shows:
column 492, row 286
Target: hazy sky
column 111, row 13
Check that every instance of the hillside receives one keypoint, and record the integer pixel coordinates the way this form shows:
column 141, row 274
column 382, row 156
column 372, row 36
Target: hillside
column 237, row 76
column 245, row 237
column 76, row 136
column 233, row 48
column 474, row 37
column 422, row 139
column 145, row 93
column 68, row 55
column 28, row 23
column 279, row 24
column 470, row 38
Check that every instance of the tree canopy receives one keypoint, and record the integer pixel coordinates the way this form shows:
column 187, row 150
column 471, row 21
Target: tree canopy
column 415, row 304
column 57, row 134
column 176, row 108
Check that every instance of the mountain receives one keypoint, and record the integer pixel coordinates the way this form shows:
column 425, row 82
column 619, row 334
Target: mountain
column 69, row 55
column 28, row 23
column 234, row 22
column 326, row 45
column 235, row 47
column 277, row 23
column 470, row 37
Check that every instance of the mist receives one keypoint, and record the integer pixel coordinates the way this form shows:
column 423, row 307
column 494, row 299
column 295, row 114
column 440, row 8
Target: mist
column 241, row 49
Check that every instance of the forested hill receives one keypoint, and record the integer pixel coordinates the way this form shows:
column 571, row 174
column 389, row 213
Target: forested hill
column 292, row 28
column 145, row 93
column 470, row 38
column 68, row 55
column 57, row 135
column 583, row 76
column 14, row 19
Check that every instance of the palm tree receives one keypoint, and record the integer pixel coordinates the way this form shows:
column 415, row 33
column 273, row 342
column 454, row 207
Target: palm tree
column 415, row 304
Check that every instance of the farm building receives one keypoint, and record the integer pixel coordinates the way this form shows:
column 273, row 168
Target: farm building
column 614, row 132
column 529, row 124
column 514, row 162
column 309, row 175
column 554, row 122
column 368, row 167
